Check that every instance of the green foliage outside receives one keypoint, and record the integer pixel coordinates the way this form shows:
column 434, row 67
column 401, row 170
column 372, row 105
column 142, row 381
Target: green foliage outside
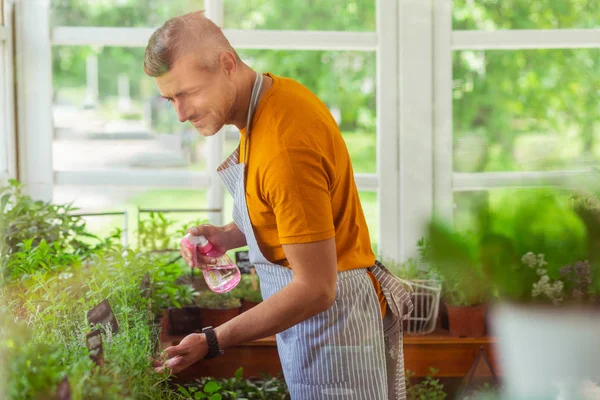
column 536, row 109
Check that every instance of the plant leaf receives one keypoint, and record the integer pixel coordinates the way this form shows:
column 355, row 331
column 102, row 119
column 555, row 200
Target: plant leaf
column 212, row 387
column 239, row 374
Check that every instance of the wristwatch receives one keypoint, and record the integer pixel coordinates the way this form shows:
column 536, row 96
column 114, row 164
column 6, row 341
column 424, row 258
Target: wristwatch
column 213, row 343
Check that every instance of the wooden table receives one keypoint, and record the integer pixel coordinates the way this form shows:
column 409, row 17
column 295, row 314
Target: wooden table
column 453, row 357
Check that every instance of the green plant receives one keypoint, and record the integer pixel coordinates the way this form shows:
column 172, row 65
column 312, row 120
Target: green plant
column 191, row 224
column 24, row 219
column 523, row 261
column 208, row 299
column 265, row 388
column 454, row 258
column 429, row 388
column 245, row 291
column 166, row 291
column 211, row 390
column 153, row 234
column 43, row 326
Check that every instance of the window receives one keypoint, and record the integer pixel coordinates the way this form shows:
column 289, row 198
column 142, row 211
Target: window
column 108, row 115
column 332, row 15
column 489, row 15
column 119, row 13
column 7, row 132
column 111, row 129
column 522, row 101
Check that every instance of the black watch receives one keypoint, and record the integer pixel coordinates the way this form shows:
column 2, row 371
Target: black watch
column 213, row 343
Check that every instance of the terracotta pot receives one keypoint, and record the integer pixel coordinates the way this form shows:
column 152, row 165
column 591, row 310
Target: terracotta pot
column 246, row 305
column 467, row 321
column 216, row 317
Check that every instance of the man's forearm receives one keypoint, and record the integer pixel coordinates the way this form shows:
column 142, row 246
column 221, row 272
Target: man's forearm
column 293, row 304
column 235, row 235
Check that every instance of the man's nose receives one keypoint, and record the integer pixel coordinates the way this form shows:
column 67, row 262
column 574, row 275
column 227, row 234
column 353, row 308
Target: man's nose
column 182, row 111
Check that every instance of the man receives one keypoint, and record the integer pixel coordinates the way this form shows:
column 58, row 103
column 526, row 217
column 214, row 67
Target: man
column 336, row 312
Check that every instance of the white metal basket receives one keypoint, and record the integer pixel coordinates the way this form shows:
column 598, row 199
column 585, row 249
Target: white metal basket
column 426, row 301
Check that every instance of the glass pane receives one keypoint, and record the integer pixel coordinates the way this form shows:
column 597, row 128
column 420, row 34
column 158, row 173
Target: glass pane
column 90, row 199
column 370, row 205
column 344, row 81
column 525, row 14
column 526, row 110
column 109, row 114
column 122, row 13
column 537, row 220
column 339, row 15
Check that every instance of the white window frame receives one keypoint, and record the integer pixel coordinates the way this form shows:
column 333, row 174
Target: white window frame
column 447, row 40
column 404, row 43
column 7, row 111
column 34, row 97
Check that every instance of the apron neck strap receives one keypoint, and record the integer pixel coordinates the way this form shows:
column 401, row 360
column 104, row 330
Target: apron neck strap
column 256, row 89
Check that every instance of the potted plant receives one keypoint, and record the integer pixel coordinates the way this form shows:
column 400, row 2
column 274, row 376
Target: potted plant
column 248, row 295
column 216, row 308
column 465, row 292
column 543, row 286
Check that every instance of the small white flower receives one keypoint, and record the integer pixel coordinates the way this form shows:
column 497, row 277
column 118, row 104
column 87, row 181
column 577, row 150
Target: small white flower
column 540, row 260
column 541, row 271
column 529, row 259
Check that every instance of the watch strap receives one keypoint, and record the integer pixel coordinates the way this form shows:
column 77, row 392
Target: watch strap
column 213, row 343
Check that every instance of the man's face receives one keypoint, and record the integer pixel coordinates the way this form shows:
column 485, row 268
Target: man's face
column 205, row 98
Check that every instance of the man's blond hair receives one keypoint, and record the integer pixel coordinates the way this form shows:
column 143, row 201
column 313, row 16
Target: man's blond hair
column 191, row 33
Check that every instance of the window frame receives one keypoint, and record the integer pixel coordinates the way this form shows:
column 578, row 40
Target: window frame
column 7, row 111
column 447, row 41
column 35, row 161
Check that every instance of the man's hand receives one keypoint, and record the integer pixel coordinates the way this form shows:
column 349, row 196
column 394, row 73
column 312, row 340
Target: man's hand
column 177, row 358
column 222, row 239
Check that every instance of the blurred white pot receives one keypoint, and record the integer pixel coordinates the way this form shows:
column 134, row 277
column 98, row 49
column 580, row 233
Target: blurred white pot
column 547, row 352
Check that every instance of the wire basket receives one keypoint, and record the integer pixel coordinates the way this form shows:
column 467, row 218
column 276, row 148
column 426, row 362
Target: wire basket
column 426, row 301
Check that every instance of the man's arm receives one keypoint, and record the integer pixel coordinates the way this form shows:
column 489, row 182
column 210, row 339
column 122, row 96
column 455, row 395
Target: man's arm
column 311, row 291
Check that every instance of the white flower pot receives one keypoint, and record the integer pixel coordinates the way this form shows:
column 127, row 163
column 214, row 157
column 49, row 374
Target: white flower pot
column 547, row 352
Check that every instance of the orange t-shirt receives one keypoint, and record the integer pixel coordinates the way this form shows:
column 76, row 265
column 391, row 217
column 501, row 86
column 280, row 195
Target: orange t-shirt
column 300, row 184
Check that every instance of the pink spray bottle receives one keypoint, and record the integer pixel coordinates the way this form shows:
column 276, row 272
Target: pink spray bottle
column 221, row 277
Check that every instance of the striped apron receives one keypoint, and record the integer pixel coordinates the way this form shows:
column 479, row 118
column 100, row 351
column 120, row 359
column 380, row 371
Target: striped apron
column 343, row 352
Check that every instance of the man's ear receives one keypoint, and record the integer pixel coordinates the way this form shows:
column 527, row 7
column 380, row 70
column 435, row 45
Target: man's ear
column 228, row 63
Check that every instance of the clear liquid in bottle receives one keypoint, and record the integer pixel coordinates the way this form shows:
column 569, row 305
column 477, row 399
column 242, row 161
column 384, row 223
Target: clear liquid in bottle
column 221, row 277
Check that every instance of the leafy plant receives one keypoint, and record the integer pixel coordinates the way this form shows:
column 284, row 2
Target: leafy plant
column 208, row 299
column 211, row 391
column 245, row 291
column 154, row 233
column 265, row 388
column 454, row 258
column 23, row 219
column 43, row 328
column 519, row 262
column 429, row 388
column 166, row 290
